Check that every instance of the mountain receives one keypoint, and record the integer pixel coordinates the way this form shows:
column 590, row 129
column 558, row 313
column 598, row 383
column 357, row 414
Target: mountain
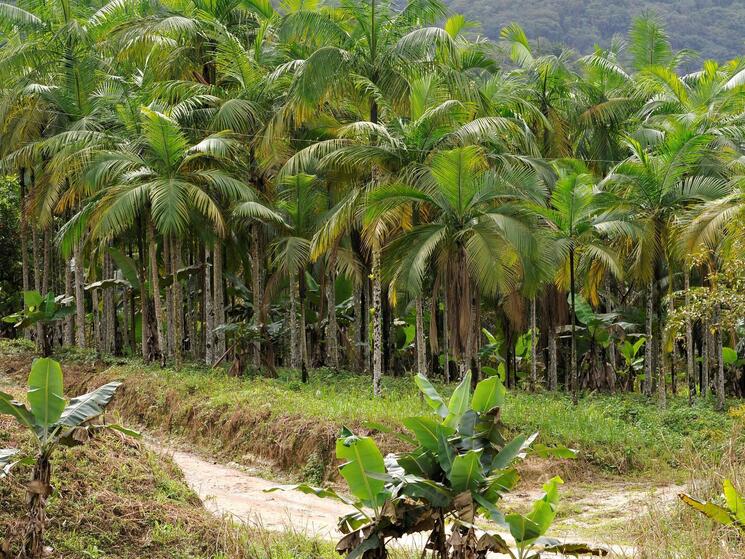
column 713, row 28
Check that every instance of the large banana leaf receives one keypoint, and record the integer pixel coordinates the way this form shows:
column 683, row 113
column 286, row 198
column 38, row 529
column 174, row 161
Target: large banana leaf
column 363, row 457
column 45, row 392
column 88, row 406
column 466, row 472
column 489, row 394
column 431, row 396
column 459, row 401
column 514, row 449
column 9, row 406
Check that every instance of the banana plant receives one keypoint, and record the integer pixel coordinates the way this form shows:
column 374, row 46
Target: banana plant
column 44, row 311
column 458, row 468
column 54, row 422
column 731, row 514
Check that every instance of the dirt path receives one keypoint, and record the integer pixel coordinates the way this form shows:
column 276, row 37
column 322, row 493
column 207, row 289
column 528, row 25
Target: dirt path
column 588, row 513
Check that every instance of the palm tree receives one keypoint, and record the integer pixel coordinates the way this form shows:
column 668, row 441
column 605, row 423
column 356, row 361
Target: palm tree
column 159, row 177
column 654, row 185
column 474, row 236
column 577, row 217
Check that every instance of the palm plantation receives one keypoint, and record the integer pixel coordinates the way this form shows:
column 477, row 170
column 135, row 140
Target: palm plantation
column 301, row 185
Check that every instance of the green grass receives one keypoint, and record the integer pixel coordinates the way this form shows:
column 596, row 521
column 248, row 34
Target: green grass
column 620, row 434
column 271, row 417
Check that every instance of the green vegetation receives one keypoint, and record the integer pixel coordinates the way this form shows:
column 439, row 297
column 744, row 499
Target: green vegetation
column 460, row 467
column 54, row 423
column 117, row 500
column 237, row 416
column 711, row 28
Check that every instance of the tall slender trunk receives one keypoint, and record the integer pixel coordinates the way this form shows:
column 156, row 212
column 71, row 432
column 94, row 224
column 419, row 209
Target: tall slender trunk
column 155, row 285
column 219, row 298
column 421, row 344
column 377, row 323
column 178, row 305
column 170, row 308
column 257, row 290
column 97, row 330
column 575, row 371
column 47, row 256
column 533, row 345
column 445, row 335
column 24, row 242
column 690, row 350
column 553, row 357
column 37, row 276
column 720, row 362
column 79, row 296
column 126, row 313
column 649, row 343
column 357, row 360
column 69, row 332
column 332, row 328
column 109, row 308
column 209, row 311
column 706, row 359
column 295, row 348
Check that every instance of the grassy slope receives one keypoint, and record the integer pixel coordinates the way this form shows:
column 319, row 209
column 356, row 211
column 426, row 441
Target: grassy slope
column 293, row 425
column 116, row 500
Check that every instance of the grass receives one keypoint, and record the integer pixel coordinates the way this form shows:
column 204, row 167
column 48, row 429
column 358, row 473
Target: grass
column 294, row 424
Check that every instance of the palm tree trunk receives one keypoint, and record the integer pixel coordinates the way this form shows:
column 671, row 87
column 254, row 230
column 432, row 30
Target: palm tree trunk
column 445, row 335
column 79, row 296
column 332, row 329
column 720, row 361
column 37, row 274
column 295, row 348
column 706, row 359
column 46, row 271
column 377, row 323
column 357, row 360
column 533, row 345
column 178, row 305
column 155, row 284
column 219, row 300
column 69, row 328
column 575, row 371
column 257, row 289
column 691, row 379
column 209, row 311
column 553, row 365
column 168, row 272
column 109, row 310
column 421, row 344
column 649, row 343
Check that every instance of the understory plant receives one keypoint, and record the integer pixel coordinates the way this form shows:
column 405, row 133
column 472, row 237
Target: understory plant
column 54, row 422
column 43, row 311
column 731, row 514
column 457, row 470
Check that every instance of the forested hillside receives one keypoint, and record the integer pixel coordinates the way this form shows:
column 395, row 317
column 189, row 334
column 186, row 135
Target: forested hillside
column 713, row 28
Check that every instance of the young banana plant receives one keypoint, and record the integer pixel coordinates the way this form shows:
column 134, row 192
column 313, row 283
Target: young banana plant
column 53, row 422
column 459, row 467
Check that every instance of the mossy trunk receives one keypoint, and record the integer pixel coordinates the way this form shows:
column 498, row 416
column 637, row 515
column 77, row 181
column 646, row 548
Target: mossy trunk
column 421, row 345
column 79, row 279
column 377, row 323
column 209, row 311
column 155, row 285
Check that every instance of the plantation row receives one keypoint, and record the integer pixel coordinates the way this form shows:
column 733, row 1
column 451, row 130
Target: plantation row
column 372, row 187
